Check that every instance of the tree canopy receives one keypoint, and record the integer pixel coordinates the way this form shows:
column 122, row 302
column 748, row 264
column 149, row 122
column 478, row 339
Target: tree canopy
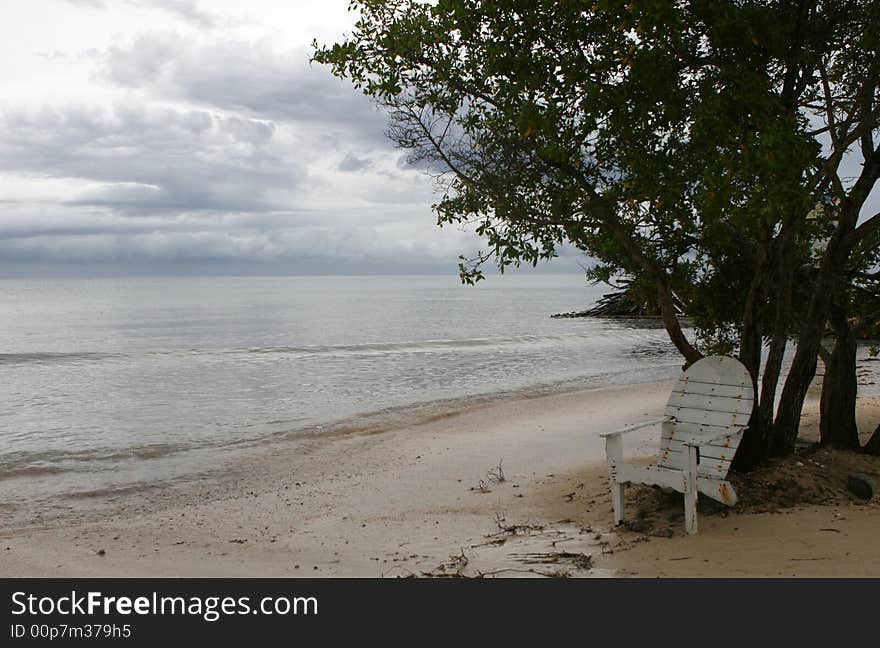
column 683, row 144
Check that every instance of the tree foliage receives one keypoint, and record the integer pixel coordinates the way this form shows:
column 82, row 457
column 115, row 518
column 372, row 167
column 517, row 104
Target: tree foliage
column 680, row 143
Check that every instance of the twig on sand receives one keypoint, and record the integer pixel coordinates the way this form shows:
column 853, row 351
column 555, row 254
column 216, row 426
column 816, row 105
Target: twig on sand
column 496, row 474
column 555, row 574
column 494, row 542
column 481, row 487
column 513, row 529
column 457, row 564
column 555, row 542
column 496, row 572
column 577, row 560
column 493, row 476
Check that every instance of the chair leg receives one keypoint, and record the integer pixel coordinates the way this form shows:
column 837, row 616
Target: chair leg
column 614, row 453
column 690, row 494
column 617, row 491
column 690, row 511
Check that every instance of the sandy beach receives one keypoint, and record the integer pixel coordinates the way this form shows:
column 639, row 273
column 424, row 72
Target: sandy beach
column 425, row 497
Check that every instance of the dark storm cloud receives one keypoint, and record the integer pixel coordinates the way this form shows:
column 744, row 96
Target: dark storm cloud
column 150, row 158
column 250, row 77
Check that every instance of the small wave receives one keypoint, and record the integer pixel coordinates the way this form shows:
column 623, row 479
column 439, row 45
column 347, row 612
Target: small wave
column 651, row 351
column 364, row 349
column 53, row 357
column 34, row 464
column 381, row 348
column 112, row 491
column 428, row 346
column 30, row 471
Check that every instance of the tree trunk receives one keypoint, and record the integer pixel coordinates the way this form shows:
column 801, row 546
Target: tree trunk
column 771, row 283
column 755, row 446
column 750, row 451
column 837, row 423
column 673, row 326
column 803, row 366
column 779, row 338
column 791, row 403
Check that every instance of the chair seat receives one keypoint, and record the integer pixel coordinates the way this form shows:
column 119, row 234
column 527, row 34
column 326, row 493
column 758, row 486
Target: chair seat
column 653, row 475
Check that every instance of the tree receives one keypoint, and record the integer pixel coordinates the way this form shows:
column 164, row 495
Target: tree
column 845, row 97
column 677, row 143
column 854, row 313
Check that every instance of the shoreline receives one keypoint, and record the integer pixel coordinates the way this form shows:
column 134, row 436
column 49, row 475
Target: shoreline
column 189, row 467
column 421, row 499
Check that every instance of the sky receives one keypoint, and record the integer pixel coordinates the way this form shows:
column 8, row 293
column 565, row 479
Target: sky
column 195, row 137
column 186, row 136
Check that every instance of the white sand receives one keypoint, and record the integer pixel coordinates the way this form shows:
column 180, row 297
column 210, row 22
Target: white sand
column 407, row 501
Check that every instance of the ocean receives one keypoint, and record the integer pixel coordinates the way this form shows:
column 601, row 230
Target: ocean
column 110, row 383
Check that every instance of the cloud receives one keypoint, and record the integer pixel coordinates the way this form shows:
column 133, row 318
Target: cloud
column 253, row 77
column 202, row 146
column 354, row 163
column 141, row 158
column 96, row 4
column 143, row 182
column 187, row 10
column 89, row 234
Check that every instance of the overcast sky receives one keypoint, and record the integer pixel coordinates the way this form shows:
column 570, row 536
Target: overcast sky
column 186, row 136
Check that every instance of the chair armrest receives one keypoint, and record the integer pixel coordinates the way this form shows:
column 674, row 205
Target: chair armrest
column 637, row 426
column 698, row 441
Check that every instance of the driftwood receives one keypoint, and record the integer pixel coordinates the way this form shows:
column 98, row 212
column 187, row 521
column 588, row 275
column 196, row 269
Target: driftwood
column 622, row 304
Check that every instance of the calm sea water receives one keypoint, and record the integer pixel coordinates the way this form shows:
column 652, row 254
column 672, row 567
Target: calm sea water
column 112, row 382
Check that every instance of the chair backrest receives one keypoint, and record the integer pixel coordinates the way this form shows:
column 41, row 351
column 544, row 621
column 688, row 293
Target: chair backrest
column 712, row 396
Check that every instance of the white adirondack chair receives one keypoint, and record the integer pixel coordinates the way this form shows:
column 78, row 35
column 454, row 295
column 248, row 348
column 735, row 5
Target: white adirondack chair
column 705, row 417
